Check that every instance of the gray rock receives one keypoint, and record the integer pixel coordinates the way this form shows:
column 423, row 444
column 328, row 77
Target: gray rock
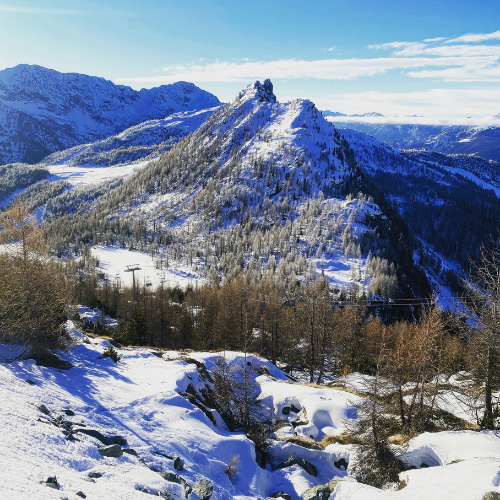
column 81, row 494
column 203, row 488
column 175, row 478
column 301, row 462
column 96, row 434
column 52, row 483
column 44, row 409
column 95, row 475
column 280, row 495
column 113, row 450
column 130, row 451
column 341, row 464
column 178, row 464
column 30, row 382
column 491, row 495
column 321, row 492
column 118, row 440
column 70, row 413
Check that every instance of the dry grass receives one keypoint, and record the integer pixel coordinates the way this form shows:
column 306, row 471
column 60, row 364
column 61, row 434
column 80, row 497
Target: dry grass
column 339, row 439
column 399, row 439
column 302, row 441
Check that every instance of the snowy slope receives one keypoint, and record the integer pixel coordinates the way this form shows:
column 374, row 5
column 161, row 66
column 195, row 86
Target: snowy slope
column 42, row 110
column 482, row 141
column 147, row 139
column 140, row 399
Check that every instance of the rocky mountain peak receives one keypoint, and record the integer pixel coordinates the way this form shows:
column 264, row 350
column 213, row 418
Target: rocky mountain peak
column 261, row 91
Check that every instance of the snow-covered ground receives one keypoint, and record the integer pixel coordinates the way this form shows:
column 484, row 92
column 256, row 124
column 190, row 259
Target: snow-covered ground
column 114, row 261
column 79, row 176
column 140, row 400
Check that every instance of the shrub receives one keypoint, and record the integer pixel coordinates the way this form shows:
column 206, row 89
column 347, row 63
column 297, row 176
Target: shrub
column 111, row 352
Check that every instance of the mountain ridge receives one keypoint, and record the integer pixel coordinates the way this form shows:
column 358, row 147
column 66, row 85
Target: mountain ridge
column 43, row 110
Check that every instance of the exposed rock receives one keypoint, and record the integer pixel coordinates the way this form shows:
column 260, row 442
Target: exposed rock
column 70, row 413
column 341, row 464
column 178, row 464
column 95, row 434
column 321, row 492
column 113, row 450
column 44, row 409
column 201, row 368
column 175, row 478
column 203, row 488
column 130, row 451
column 280, row 495
column 95, row 475
column 119, row 440
column 301, row 462
column 491, row 495
column 81, row 494
column 30, row 382
column 52, row 483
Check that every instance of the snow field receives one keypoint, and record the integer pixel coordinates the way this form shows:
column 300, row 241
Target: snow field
column 139, row 399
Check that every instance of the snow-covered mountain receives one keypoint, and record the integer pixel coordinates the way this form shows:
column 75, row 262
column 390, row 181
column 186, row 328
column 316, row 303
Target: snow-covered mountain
column 147, row 139
column 42, row 110
column 259, row 180
column 482, row 141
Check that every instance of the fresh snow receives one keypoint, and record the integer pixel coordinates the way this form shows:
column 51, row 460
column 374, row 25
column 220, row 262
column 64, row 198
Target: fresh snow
column 139, row 399
column 113, row 262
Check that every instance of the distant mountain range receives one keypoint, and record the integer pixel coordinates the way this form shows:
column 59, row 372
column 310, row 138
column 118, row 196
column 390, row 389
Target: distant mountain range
column 336, row 113
column 43, row 111
column 449, row 139
column 255, row 186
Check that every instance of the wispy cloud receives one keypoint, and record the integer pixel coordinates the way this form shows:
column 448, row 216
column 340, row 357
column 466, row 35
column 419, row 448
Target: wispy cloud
column 475, row 37
column 434, row 104
column 436, row 58
column 323, row 69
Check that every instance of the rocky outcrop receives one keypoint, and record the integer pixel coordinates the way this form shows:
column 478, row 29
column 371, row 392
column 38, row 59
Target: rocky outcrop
column 301, row 462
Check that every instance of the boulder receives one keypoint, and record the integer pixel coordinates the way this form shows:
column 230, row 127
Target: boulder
column 178, row 464
column 491, row 495
column 113, row 450
column 321, row 492
column 301, row 462
column 203, row 488
column 52, row 482
column 95, row 475
column 281, row 495
column 341, row 464
column 130, row 451
column 81, row 494
column 44, row 409
column 70, row 413
column 175, row 478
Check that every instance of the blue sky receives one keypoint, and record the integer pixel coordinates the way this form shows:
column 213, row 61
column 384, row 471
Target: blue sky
column 437, row 58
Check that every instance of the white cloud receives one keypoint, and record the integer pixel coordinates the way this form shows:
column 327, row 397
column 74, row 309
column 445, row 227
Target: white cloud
column 323, row 69
column 433, row 104
column 475, row 37
column 449, row 50
column 329, row 49
column 437, row 39
column 399, row 46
